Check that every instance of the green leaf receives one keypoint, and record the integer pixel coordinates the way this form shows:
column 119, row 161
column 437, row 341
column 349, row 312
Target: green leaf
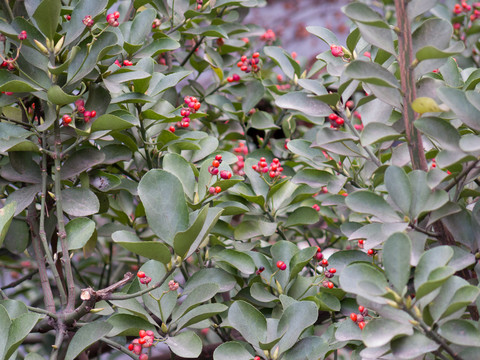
column 341, row 259
column 6, row 216
column 5, row 324
column 301, row 259
column 183, row 240
column 254, row 93
column 262, row 120
column 13, row 83
column 327, row 302
column 310, row 347
column 200, row 313
column 47, row 15
column 127, row 325
column 20, row 327
column 248, row 321
column 249, row 229
column 154, row 250
column 141, row 26
column 418, row 7
column 398, row 187
column 224, row 280
column 413, row 346
column 23, row 197
column 178, row 166
column 186, row 344
column 86, row 336
column 79, row 231
column 80, row 161
column 448, row 301
column 167, row 82
column 164, row 202
column 396, row 260
column 301, row 101
column 371, row 25
column 14, row 308
column 232, row 350
column 431, row 52
column 364, row 279
column 302, row 216
column 367, row 202
column 259, row 292
column 377, row 132
column 371, row 73
column 289, row 66
column 57, row 96
column 294, row 320
column 324, row 34
column 197, row 296
column 429, row 261
column 435, row 279
column 237, row 259
column 348, row 330
column 380, row 331
column 80, row 202
column 460, row 103
column 110, row 122
column 460, row 332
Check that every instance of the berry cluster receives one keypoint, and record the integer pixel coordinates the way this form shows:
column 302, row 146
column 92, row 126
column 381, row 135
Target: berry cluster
column 268, row 36
column 144, row 341
column 22, row 35
column 241, row 148
column 192, row 106
column 112, row 19
column 144, row 279
column 337, row 50
column 80, row 107
column 260, row 270
column 239, row 165
column 434, row 163
column 359, row 319
column 224, row 174
column 316, row 207
column 328, row 273
column 9, row 64
column 335, row 121
column 199, row 4
column 233, row 78
column 274, row 169
column 156, row 23
column 173, row 285
column 125, row 63
column 88, row 21
column 248, row 65
column 281, row 265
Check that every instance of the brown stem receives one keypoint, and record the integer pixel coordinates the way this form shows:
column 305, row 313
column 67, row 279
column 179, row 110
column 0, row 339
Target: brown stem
column 42, row 269
column 62, row 234
column 407, row 78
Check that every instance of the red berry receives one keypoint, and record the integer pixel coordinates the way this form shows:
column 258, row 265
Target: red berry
column 236, row 77
column 272, row 174
column 93, row 113
column 361, row 325
column 333, row 117
column 218, row 157
column 130, row 347
column 349, row 104
column 218, row 189
column 240, row 64
column 257, row 358
column 142, row 333
column 370, row 252
column 143, row 357
column 243, row 58
column 324, row 263
column 330, row 285
column 230, row 79
column 197, row 106
column 244, row 68
column 361, row 309
column 172, row 129
column 333, row 270
column 340, row 121
column 255, row 55
column 353, row 316
column 215, row 163
column 116, row 14
column 141, row 274
column 142, row 341
column 281, row 265
column 69, row 17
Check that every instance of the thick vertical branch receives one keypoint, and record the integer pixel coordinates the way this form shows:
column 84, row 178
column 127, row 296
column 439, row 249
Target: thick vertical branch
column 62, row 234
column 407, row 78
column 43, row 235
column 42, row 269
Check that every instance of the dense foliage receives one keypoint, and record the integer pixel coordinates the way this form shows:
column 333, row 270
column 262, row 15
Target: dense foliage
column 174, row 183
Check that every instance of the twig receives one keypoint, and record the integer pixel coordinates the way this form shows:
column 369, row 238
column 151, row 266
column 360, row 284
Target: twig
column 19, row 281
column 462, row 174
column 356, row 133
column 60, row 334
column 62, row 234
column 423, row 231
column 119, row 347
column 195, row 47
